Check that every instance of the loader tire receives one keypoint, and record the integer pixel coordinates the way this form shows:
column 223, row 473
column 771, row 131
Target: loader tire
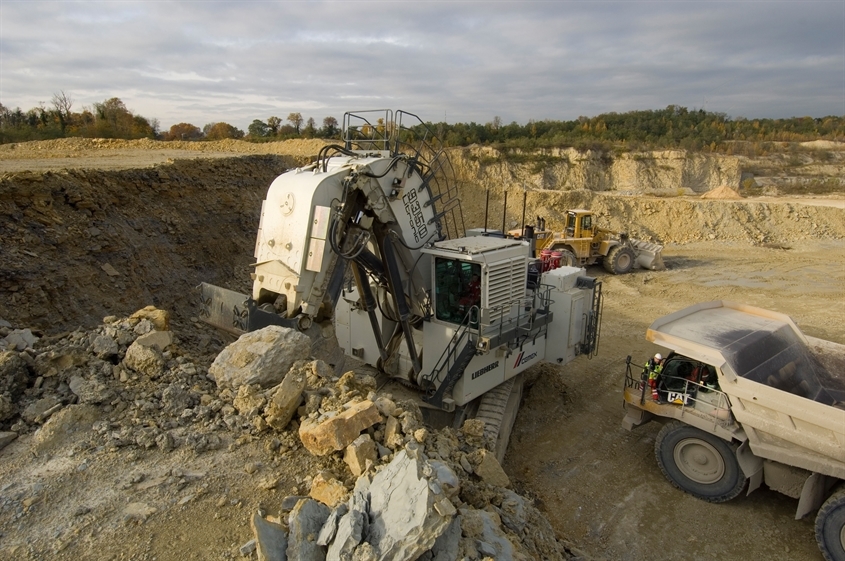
column 698, row 463
column 830, row 526
column 567, row 258
column 620, row 260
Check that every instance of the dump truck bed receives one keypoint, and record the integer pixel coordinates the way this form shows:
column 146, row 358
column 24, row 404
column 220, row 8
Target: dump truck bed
column 786, row 390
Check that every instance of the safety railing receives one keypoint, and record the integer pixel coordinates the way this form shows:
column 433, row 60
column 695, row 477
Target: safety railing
column 705, row 401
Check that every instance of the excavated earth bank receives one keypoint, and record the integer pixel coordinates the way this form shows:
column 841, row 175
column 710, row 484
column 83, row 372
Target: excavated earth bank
column 95, row 229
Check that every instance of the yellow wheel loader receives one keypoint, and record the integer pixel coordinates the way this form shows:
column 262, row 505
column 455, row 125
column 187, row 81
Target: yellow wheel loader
column 583, row 243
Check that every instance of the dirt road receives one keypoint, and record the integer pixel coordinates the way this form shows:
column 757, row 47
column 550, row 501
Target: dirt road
column 600, row 484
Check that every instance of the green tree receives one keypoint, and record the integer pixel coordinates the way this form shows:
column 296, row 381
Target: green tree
column 273, row 124
column 295, row 119
column 310, row 130
column 258, row 129
column 329, row 127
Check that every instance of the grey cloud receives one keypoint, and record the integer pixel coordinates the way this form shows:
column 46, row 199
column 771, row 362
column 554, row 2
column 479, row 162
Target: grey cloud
column 237, row 61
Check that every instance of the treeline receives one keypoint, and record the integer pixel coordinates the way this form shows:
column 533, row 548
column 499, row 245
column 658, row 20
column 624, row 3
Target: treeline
column 669, row 128
column 109, row 119
column 673, row 127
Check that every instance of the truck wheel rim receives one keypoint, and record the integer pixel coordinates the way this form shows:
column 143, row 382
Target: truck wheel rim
column 699, row 461
column 842, row 536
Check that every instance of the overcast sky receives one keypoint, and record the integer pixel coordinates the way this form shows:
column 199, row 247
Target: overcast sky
column 209, row 61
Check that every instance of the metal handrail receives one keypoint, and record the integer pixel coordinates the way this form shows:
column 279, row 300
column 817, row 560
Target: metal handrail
column 446, row 360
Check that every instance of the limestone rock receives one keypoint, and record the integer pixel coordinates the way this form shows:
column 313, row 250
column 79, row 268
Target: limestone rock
column 71, row 420
column 20, row 339
column 361, row 454
column 159, row 318
column 7, row 408
column 261, row 357
column 14, row 374
column 104, row 347
column 158, row 339
column 176, row 398
column 353, row 525
column 286, row 399
column 513, row 512
column 474, row 427
column 327, row 489
column 329, row 529
column 270, row 539
column 250, row 401
column 36, row 409
column 89, row 391
column 404, row 521
column 488, row 468
column 51, row 363
column 447, row 545
column 305, row 521
column 338, row 432
column 6, row 438
column 490, row 539
column 144, row 360
column 393, row 433
column 385, row 406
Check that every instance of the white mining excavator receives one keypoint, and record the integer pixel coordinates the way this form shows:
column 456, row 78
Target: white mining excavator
column 368, row 236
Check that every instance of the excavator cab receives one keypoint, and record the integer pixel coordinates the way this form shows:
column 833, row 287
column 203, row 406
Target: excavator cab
column 457, row 288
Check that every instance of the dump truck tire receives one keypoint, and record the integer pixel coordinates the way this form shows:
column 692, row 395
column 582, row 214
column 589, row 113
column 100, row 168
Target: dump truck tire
column 698, row 463
column 620, row 260
column 830, row 526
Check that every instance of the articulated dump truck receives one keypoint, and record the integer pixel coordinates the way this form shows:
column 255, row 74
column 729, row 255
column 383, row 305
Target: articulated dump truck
column 747, row 399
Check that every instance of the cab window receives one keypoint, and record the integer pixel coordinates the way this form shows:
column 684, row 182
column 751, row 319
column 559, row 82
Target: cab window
column 457, row 287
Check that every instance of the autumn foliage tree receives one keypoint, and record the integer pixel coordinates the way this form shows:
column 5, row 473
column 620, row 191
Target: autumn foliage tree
column 183, row 131
column 220, row 131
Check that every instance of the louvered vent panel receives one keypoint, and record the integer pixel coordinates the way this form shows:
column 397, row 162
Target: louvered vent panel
column 506, row 281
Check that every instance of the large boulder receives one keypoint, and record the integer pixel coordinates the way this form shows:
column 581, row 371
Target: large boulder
column 261, row 357
column 408, row 509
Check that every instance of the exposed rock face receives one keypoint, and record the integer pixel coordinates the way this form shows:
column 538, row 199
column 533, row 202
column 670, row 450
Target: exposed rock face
column 261, row 357
column 567, row 169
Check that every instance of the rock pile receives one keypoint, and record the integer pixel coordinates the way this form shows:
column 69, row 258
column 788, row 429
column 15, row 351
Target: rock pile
column 376, row 483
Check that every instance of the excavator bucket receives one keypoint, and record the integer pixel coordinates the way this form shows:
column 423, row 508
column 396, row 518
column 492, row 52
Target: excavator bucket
column 649, row 255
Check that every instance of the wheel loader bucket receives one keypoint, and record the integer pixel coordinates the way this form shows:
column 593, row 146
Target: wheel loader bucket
column 649, row 255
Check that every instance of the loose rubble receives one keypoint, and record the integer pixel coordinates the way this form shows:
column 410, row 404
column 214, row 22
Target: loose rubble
column 378, row 484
